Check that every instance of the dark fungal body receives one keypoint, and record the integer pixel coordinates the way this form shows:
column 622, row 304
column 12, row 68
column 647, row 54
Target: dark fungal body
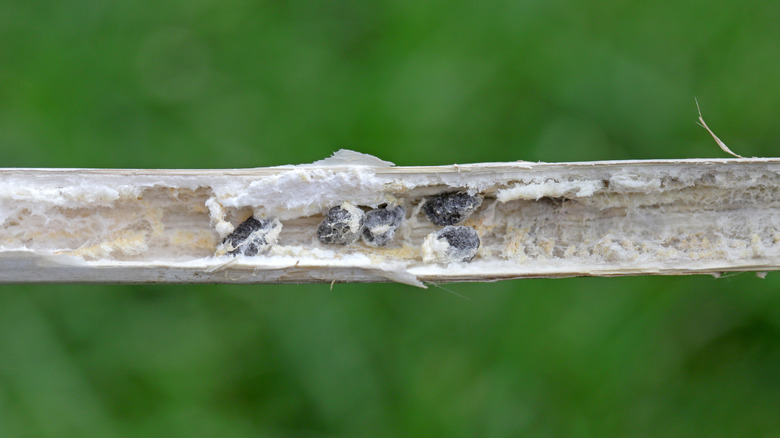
column 451, row 208
column 252, row 237
column 380, row 225
column 463, row 241
column 451, row 244
column 342, row 225
column 346, row 223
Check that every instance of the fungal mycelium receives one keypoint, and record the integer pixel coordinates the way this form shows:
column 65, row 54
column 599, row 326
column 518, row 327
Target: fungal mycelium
column 452, row 243
column 252, row 237
column 380, row 225
column 451, row 208
column 342, row 225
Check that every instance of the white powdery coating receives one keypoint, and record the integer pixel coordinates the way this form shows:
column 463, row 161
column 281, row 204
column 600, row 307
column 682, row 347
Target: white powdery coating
column 271, row 236
column 553, row 189
column 379, row 229
column 304, row 192
column 265, row 238
column 299, row 251
column 67, row 196
column 435, row 250
column 355, row 214
column 217, row 218
column 633, row 183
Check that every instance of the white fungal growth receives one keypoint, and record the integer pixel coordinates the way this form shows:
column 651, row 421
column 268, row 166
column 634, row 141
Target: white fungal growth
column 217, row 217
column 380, row 225
column 451, row 244
column 552, row 189
column 380, row 229
column 355, row 217
column 252, row 237
column 435, row 250
column 342, row 225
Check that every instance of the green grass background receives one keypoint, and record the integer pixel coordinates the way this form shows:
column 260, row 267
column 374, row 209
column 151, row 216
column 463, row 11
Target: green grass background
column 242, row 83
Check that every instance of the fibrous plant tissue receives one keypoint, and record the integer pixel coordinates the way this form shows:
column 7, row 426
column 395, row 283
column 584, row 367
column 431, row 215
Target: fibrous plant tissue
column 358, row 218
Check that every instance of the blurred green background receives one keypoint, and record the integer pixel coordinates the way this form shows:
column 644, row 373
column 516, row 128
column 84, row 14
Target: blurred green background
column 240, row 83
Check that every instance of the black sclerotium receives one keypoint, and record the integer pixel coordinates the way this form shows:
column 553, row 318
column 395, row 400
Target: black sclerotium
column 451, row 208
column 463, row 242
column 380, row 225
column 342, row 225
column 249, row 238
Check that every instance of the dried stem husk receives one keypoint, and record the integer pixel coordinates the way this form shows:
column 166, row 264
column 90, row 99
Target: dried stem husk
column 607, row 218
